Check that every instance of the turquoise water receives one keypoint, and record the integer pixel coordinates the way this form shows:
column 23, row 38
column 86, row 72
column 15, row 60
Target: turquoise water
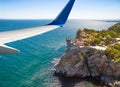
column 33, row 66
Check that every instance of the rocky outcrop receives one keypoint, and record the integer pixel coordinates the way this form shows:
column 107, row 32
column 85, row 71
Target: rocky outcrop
column 88, row 62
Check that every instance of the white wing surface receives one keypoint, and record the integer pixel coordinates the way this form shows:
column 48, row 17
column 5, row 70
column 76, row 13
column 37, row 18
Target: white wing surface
column 10, row 36
column 15, row 35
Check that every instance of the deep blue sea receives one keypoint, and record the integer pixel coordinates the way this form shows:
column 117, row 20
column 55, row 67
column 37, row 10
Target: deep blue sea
column 33, row 66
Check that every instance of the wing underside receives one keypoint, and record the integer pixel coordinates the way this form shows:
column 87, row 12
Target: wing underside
column 8, row 50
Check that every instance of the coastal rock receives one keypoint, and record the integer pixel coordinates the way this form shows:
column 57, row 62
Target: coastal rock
column 80, row 62
column 72, row 64
column 88, row 62
column 110, row 81
column 93, row 54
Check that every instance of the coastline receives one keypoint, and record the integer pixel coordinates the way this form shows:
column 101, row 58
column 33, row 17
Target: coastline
column 89, row 61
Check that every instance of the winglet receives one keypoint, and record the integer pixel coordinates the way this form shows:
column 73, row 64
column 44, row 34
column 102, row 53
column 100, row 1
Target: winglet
column 62, row 17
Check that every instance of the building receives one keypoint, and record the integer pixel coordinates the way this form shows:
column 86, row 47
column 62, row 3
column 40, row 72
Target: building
column 68, row 41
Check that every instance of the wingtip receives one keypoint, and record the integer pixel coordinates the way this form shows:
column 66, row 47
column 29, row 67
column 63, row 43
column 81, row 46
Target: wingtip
column 61, row 19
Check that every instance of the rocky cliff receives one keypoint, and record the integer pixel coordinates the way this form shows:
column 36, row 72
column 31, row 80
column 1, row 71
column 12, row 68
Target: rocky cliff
column 87, row 62
column 84, row 58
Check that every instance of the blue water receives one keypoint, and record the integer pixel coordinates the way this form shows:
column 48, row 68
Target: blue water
column 32, row 67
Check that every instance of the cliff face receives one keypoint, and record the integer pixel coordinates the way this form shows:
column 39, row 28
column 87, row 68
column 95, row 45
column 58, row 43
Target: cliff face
column 85, row 62
column 88, row 62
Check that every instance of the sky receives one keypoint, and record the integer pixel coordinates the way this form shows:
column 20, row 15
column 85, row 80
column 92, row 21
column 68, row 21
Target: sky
column 49, row 9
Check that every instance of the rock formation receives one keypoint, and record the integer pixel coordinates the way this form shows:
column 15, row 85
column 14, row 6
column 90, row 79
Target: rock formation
column 88, row 62
column 84, row 58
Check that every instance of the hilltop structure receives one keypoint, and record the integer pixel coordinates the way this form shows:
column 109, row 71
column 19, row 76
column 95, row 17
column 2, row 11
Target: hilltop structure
column 68, row 41
column 89, row 56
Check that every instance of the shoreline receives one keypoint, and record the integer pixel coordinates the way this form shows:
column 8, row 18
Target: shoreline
column 91, row 57
column 78, row 81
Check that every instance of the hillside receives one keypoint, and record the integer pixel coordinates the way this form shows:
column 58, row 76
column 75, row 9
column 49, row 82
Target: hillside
column 83, row 57
column 104, row 37
column 109, row 38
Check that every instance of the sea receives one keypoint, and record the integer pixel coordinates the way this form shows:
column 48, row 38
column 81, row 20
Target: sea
column 34, row 65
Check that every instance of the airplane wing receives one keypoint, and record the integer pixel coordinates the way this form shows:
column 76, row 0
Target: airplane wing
column 10, row 36
column 15, row 35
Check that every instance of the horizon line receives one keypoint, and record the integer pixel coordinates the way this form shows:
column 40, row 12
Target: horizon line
column 53, row 18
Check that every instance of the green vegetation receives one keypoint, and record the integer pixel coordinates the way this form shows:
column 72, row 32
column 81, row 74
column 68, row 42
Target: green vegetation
column 113, row 52
column 115, row 28
column 104, row 37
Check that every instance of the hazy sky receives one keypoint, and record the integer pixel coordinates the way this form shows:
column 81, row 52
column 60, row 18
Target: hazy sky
column 44, row 9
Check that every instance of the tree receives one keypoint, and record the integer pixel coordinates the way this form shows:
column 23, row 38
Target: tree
column 113, row 52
